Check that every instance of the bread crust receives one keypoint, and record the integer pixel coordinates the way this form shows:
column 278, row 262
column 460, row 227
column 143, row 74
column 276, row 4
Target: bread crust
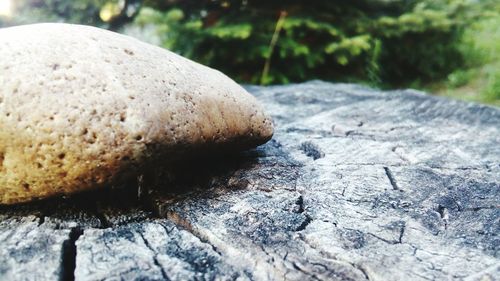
column 80, row 107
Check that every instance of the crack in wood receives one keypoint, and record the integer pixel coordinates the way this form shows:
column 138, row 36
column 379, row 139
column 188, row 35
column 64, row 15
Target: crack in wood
column 300, row 203
column 312, row 150
column 301, row 209
column 392, row 242
column 312, row 275
column 443, row 213
column 362, row 269
column 479, row 208
column 391, row 178
column 402, row 233
column 41, row 220
column 155, row 258
column 68, row 256
column 305, row 223
column 343, row 190
column 186, row 225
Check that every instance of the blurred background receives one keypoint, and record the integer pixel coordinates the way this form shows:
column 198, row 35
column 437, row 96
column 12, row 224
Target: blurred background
column 446, row 47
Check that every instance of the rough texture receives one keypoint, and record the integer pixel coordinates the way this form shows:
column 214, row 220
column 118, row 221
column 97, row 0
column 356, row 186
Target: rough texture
column 82, row 107
column 356, row 185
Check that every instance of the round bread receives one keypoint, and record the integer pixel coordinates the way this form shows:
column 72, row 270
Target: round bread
column 82, row 107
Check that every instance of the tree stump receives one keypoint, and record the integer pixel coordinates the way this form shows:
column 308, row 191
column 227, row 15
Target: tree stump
column 357, row 184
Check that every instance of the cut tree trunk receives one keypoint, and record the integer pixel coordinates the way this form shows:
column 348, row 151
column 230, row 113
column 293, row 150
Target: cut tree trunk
column 357, row 184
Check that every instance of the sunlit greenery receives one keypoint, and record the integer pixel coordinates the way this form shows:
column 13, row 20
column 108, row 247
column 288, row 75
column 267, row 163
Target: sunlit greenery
column 479, row 78
column 450, row 47
column 383, row 43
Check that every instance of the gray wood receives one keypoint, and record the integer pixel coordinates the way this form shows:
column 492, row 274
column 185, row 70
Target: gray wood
column 357, row 184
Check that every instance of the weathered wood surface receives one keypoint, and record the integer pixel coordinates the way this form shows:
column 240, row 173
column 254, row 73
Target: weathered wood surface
column 356, row 185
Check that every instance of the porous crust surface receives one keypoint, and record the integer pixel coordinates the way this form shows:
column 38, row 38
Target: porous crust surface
column 81, row 107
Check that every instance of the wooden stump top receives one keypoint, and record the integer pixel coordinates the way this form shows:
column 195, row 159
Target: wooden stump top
column 357, row 184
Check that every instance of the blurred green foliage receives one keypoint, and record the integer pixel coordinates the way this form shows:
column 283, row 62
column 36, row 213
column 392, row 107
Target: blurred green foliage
column 384, row 43
column 478, row 78
column 445, row 45
column 29, row 11
column 484, row 37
